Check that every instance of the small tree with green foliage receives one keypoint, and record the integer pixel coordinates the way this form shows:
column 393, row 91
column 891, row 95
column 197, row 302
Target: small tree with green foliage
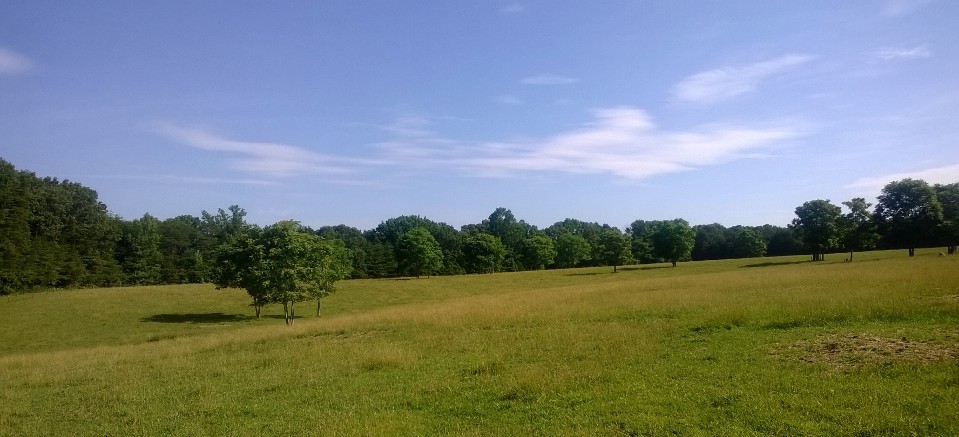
column 418, row 253
column 571, row 249
column 613, row 248
column 859, row 229
column 538, row 252
column 817, row 225
column 283, row 263
column 240, row 262
column 749, row 243
column 334, row 262
column 909, row 214
column 948, row 196
column 673, row 240
column 483, row 253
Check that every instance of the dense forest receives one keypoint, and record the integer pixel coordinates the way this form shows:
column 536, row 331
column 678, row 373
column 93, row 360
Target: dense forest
column 57, row 234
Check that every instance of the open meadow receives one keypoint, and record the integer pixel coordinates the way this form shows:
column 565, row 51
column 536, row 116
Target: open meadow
column 735, row 347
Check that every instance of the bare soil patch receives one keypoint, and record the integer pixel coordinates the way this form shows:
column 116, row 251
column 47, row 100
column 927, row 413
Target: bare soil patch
column 952, row 298
column 857, row 350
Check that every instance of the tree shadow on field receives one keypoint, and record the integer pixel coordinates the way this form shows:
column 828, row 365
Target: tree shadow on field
column 278, row 316
column 774, row 263
column 196, row 318
column 589, row 273
column 629, row 269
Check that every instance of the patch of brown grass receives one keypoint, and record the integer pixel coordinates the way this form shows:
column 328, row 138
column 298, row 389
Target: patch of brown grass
column 852, row 350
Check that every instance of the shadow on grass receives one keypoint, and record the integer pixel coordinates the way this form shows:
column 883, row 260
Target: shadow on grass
column 278, row 316
column 629, row 269
column 196, row 318
column 775, row 263
column 589, row 273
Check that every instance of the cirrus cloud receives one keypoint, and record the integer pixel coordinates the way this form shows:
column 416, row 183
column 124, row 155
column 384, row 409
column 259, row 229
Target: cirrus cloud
column 620, row 141
column 266, row 159
column 13, row 63
column 548, row 79
column 947, row 174
column 891, row 53
column 727, row 82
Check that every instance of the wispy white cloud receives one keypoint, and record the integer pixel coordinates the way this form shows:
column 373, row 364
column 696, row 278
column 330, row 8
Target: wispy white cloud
column 507, row 99
column 939, row 175
column 728, row 82
column 620, row 141
column 14, row 63
column 891, row 53
column 267, row 159
column 513, row 8
column 896, row 8
column 180, row 179
column 548, row 79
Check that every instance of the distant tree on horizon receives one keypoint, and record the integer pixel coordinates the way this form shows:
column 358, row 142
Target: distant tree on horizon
column 817, row 225
column 483, row 253
column 571, row 249
column 538, row 251
column 858, row 227
column 613, row 249
column 673, row 240
column 418, row 253
column 909, row 214
column 948, row 196
column 749, row 243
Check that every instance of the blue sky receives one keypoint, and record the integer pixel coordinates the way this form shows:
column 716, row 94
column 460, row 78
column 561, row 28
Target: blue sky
column 354, row 112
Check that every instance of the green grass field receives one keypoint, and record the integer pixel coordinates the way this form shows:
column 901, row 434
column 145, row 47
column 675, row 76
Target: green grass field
column 736, row 347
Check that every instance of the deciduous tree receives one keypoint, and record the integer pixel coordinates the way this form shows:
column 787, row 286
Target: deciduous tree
column 817, row 225
column 859, row 228
column 483, row 253
column 948, row 196
column 283, row 263
column 331, row 261
column 749, row 243
column 571, row 249
column 538, row 252
column 613, row 248
column 909, row 214
column 673, row 240
column 418, row 253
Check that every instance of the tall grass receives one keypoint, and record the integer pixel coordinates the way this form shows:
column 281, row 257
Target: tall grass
column 723, row 347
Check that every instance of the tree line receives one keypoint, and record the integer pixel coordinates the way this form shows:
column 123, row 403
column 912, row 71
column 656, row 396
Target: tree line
column 909, row 213
column 57, row 234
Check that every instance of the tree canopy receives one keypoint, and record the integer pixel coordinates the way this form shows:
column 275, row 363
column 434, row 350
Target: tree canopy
column 909, row 214
column 672, row 240
column 817, row 224
column 283, row 263
column 418, row 253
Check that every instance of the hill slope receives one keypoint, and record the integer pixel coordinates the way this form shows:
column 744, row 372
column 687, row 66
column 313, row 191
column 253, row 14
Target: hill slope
column 774, row 345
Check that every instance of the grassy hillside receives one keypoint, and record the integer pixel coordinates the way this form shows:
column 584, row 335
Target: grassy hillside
column 758, row 346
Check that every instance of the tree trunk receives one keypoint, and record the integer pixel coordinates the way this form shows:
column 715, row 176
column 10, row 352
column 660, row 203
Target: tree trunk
column 614, row 268
column 850, row 256
column 317, row 308
column 292, row 314
column 256, row 309
column 674, row 262
column 912, row 251
column 951, row 250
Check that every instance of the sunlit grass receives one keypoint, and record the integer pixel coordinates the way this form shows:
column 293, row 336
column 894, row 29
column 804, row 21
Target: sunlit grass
column 719, row 347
